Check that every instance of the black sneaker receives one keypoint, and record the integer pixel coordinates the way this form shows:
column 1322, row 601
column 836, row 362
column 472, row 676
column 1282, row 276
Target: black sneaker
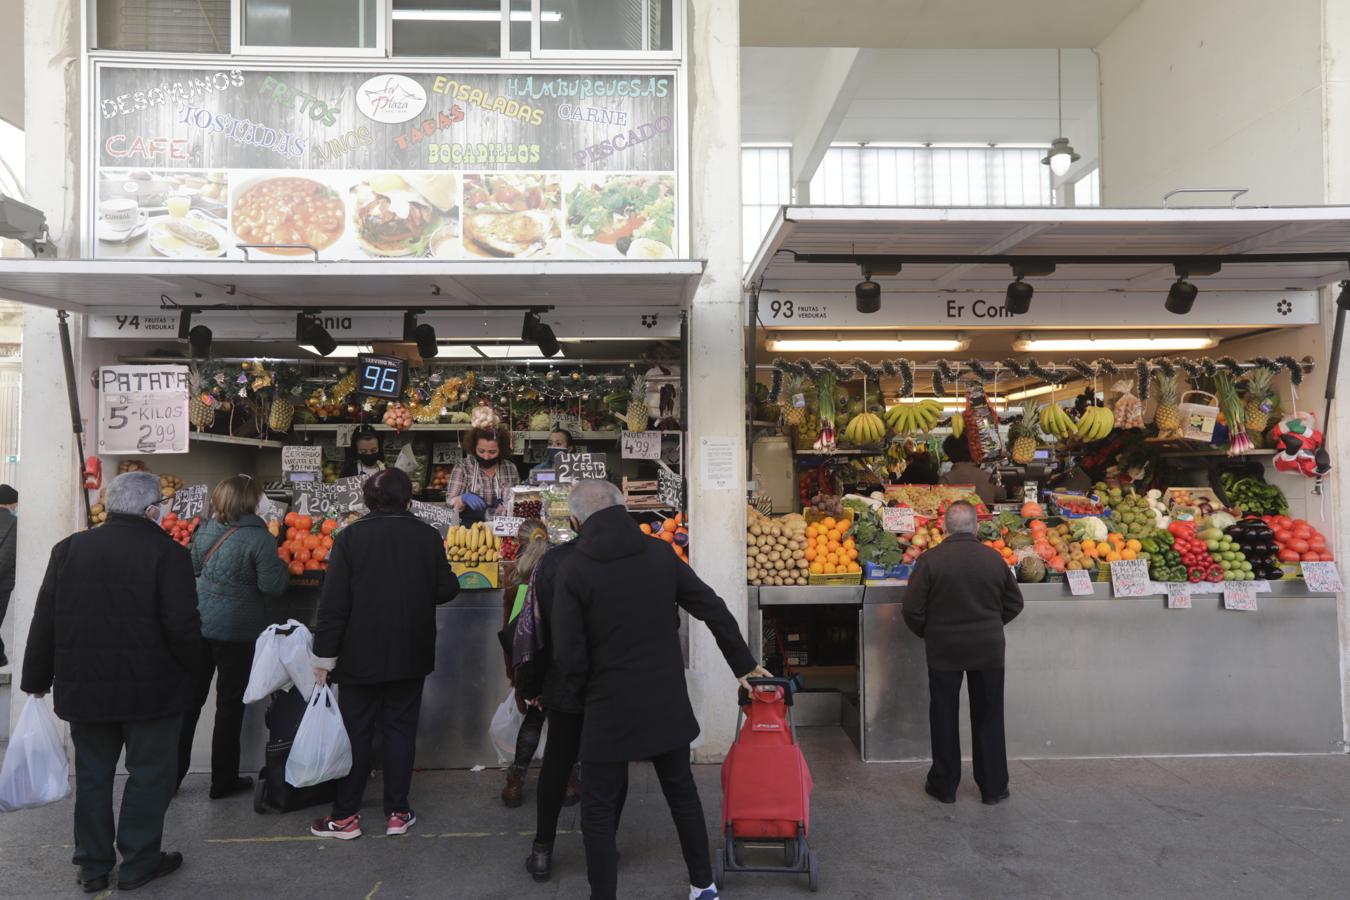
column 168, row 864
column 540, row 862
column 239, row 786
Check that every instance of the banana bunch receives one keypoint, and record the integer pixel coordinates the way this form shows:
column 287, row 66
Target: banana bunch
column 1095, row 424
column 472, row 546
column 864, row 429
column 906, row 418
column 1055, row 421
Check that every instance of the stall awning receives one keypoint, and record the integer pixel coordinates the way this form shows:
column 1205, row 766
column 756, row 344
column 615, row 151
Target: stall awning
column 1050, row 233
column 91, row 285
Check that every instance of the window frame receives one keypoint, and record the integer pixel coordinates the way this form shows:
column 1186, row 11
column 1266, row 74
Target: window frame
column 676, row 50
column 380, row 48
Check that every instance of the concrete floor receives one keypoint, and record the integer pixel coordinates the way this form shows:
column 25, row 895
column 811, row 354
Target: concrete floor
column 1259, row 827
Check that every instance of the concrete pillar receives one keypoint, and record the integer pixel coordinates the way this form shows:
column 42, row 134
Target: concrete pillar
column 48, row 469
column 717, row 353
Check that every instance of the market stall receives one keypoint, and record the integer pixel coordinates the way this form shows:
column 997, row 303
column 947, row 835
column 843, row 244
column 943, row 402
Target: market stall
column 1134, row 400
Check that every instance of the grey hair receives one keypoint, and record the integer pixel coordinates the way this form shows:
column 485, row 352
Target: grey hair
column 961, row 518
column 592, row 496
column 132, row 493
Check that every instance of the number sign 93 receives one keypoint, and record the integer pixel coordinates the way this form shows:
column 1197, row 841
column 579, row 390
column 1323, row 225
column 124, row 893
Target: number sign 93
column 381, row 376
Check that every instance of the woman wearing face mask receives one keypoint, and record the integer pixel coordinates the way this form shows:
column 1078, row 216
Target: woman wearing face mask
column 365, row 457
column 559, row 441
column 485, row 478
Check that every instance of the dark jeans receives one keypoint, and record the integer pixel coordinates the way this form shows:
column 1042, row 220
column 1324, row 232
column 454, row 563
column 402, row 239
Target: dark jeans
column 989, row 754
column 603, row 787
column 140, row 828
column 560, row 756
column 527, row 738
column 4, row 608
column 229, row 662
column 397, row 705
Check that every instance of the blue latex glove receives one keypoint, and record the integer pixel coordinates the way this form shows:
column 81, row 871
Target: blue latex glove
column 473, row 502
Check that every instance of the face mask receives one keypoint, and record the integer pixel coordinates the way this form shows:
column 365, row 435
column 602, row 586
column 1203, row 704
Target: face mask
column 485, row 462
column 368, row 459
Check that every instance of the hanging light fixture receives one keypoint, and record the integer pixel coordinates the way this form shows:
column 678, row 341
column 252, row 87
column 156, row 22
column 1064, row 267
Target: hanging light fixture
column 1062, row 156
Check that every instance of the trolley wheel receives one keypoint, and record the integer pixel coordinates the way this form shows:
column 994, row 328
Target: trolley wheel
column 813, row 871
column 259, row 789
column 719, row 867
column 790, row 852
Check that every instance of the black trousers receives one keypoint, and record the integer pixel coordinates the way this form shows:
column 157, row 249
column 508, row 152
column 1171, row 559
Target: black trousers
column 229, row 662
column 527, row 738
column 397, row 706
column 4, row 607
column 150, row 766
column 989, row 752
column 560, row 757
column 603, row 788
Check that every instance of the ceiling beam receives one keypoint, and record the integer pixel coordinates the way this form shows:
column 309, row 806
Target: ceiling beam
column 823, row 111
column 1008, row 242
column 1276, row 235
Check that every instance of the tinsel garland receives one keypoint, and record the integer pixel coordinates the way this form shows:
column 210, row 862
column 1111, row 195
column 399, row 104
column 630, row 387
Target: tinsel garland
column 428, row 407
column 776, row 385
column 906, row 377
column 1295, row 369
column 1082, row 367
column 1232, row 365
column 980, row 371
column 1165, row 366
column 1108, row 368
column 1142, row 380
column 1015, row 367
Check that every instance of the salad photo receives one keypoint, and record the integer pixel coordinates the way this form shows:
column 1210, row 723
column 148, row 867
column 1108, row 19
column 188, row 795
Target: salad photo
column 633, row 214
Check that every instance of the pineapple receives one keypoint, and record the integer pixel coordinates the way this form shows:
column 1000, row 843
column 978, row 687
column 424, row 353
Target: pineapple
column 793, row 415
column 282, row 414
column 1024, row 436
column 199, row 414
column 1167, row 417
column 1259, row 399
column 637, row 417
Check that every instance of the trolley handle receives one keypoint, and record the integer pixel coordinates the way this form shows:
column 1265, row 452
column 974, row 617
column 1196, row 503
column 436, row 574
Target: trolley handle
column 784, row 683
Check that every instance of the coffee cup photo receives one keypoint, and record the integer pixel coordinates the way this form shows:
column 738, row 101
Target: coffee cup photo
column 120, row 213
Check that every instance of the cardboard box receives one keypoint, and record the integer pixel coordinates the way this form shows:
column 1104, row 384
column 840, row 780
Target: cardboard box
column 479, row 577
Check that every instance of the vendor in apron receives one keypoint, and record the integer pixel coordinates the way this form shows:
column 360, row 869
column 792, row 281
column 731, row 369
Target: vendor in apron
column 483, row 481
column 365, row 455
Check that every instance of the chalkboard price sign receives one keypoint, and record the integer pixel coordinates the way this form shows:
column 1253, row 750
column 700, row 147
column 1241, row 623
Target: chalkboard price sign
column 669, row 488
column 381, row 376
column 573, row 467
column 191, row 501
column 437, row 515
column 330, row 501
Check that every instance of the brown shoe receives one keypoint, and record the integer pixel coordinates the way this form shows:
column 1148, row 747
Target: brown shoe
column 513, row 795
column 573, row 795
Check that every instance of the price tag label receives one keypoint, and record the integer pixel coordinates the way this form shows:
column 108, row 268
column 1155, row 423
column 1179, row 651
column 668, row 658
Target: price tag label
column 344, row 435
column 437, row 515
column 302, row 458
column 1178, row 595
column 641, row 445
column 897, row 519
column 669, row 488
column 1080, row 582
column 447, row 454
column 1029, row 491
column 330, row 501
column 506, row 526
column 1239, row 595
column 143, row 409
column 1322, row 578
column 191, row 501
column 1129, row 578
column 572, row 467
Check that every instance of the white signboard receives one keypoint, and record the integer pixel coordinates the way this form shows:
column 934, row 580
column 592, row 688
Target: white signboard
column 1129, row 578
column 142, row 409
column 897, row 519
column 302, row 458
column 1178, row 595
column 506, row 526
column 1080, row 582
column 641, row 445
column 718, row 457
column 1239, row 595
column 1322, row 578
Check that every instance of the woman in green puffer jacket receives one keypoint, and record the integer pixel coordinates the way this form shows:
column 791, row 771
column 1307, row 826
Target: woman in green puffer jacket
column 235, row 559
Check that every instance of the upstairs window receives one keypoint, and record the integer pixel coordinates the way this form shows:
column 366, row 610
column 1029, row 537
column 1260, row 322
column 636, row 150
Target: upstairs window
column 163, row 26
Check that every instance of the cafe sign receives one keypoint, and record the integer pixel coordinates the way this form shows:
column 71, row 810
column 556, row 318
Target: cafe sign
column 191, row 162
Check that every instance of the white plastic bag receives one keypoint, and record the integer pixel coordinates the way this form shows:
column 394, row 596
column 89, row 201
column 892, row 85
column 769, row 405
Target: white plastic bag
column 279, row 661
column 36, row 771
column 321, row 750
column 505, row 727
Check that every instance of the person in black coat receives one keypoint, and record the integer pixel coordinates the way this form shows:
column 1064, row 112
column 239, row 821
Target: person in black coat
column 9, row 548
column 115, row 634
column 376, row 634
column 959, row 597
column 616, row 631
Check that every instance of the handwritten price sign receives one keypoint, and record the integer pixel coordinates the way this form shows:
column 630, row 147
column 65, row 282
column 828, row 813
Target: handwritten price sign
column 190, row 501
column 302, row 458
column 437, row 515
column 641, row 445
column 506, row 526
column 897, row 519
column 330, row 501
column 1129, row 578
column 1322, row 578
column 143, row 409
column 1239, row 595
column 581, row 467
column 1178, row 595
column 1080, row 582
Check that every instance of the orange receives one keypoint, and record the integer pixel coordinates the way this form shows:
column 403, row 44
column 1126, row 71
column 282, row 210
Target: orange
column 645, row 528
column 852, row 553
column 1127, row 553
column 828, row 522
column 817, row 568
column 810, row 553
column 998, row 544
column 850, row 543
column 668, row 536
column 833, row 534
column 669, row 526
column 319, row 555
column 812, row 532
column 829, row 568
column 854, row 568
column 1134, row 545
column 1113, row 556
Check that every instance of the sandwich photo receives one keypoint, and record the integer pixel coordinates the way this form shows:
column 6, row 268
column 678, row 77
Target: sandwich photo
column 396, row 215
column 511, row 216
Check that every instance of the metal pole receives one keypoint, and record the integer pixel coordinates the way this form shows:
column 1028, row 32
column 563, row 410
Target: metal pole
column 1338, row 332
column 752, row 354
column 72, row 395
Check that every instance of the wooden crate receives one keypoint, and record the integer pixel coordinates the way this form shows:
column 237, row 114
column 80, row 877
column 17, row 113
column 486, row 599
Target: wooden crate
column 641, row 495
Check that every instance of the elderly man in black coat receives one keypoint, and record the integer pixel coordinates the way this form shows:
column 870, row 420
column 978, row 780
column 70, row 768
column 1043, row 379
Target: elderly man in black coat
column 616, row 627
column 960, row 596
column 116, row 632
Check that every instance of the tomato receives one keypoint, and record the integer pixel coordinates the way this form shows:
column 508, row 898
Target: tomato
column 311, row 541
column 296, row 568
column 290, row 518
column 1299, row 546
column 304, row 523
column 1325, row 557
column 1312, row 557
column 1288, row 556
column 1318, row 543
column 329, row 526
column 318, row 555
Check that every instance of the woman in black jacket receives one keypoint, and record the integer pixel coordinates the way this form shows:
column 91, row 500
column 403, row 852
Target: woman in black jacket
column 387, row 573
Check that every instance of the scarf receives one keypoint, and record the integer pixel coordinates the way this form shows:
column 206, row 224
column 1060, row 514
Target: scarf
column 528, row 638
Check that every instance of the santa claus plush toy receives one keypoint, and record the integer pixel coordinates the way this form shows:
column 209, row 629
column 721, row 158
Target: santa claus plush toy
column 1299, row 441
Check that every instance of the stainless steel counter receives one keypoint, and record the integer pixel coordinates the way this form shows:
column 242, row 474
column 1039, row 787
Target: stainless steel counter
column 1100, row 676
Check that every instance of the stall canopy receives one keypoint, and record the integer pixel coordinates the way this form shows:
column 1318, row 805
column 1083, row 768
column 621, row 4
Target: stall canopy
column 90, row 286
column 1050, row 234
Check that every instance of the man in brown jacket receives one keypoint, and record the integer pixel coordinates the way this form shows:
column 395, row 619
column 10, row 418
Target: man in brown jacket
column 960, row 596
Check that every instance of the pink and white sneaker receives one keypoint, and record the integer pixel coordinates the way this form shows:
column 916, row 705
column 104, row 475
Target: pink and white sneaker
column 399, row 823
column 343, row 829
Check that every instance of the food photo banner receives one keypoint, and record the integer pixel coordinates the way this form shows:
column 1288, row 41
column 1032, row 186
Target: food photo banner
column 450, row 165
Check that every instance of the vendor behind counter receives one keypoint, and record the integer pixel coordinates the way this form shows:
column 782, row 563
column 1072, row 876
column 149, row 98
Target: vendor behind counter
column 964, row 471
column 483, row 481
column 365, row 454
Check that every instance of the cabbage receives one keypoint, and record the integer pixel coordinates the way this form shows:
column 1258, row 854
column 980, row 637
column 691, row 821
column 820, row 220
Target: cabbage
column 1094, row 528
column 1220, row 520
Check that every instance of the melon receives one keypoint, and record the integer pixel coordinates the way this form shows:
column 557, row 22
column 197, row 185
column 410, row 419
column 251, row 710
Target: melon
column 1019, row 540
column 1031, row 570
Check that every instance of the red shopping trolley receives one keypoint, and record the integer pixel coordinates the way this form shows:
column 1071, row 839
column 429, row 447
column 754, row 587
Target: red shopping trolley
column 766, row 786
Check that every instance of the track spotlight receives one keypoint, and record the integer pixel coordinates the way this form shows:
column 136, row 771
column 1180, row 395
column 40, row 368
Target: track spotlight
column 1181, row 296
column 422, row 334
column 867, row 294
column 1017, row 301
column 310, row 332
column 534, row 331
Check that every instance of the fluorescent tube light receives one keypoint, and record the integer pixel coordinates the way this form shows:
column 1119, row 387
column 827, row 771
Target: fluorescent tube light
column 1046, row 343
column 343, row 351
column 470, row 15
column 868, row 345
column 949, row 404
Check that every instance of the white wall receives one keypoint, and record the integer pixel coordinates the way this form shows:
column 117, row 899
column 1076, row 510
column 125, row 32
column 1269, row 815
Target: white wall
column 1214, row 93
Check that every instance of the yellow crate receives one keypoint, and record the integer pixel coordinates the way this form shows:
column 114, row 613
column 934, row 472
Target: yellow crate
column 479, row 577
column 835, row 580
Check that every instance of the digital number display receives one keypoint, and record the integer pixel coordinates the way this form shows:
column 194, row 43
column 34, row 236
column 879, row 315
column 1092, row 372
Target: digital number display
column 381, row 376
